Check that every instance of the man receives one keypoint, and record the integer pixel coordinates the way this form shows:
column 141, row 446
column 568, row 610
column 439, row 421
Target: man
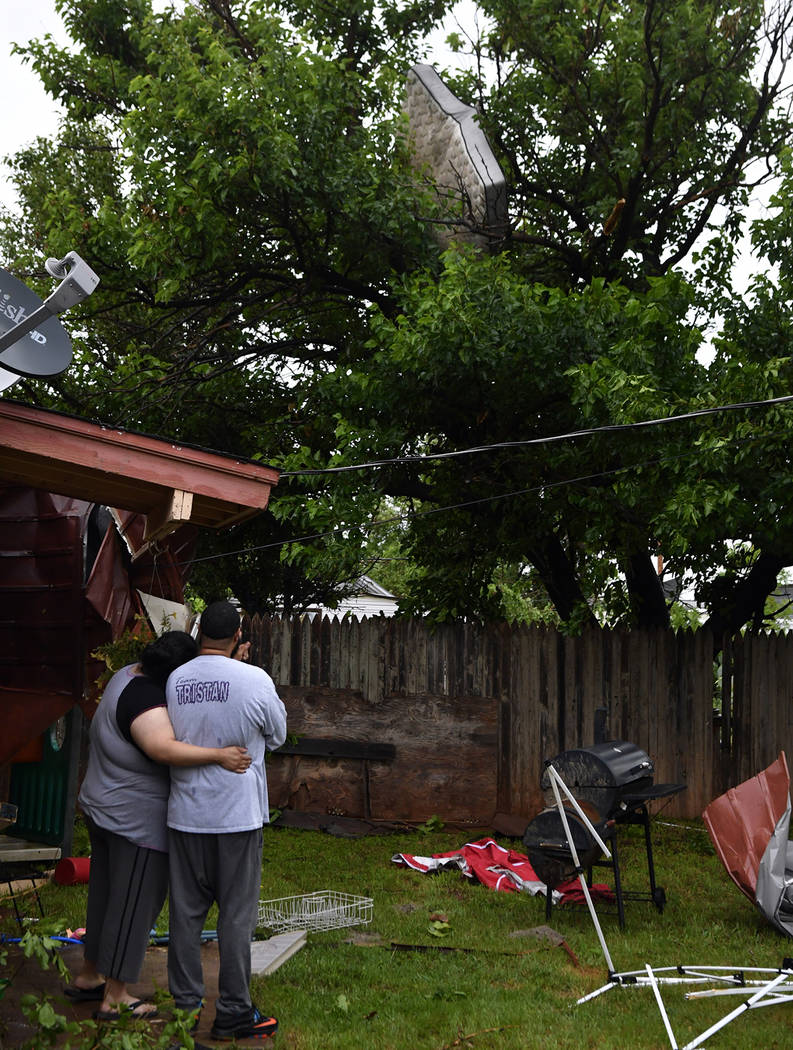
column 215, row 821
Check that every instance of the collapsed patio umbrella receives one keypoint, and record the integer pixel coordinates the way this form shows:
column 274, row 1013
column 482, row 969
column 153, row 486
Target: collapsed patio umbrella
column 749, row 826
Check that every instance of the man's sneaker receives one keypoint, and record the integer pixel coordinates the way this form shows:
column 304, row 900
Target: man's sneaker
column 259, row 1027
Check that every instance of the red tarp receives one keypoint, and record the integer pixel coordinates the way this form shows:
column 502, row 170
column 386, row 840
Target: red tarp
column 742, row 821
column 498, row 868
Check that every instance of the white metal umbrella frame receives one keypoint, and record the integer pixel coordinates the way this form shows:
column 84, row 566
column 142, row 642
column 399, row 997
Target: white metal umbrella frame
column 768, row 986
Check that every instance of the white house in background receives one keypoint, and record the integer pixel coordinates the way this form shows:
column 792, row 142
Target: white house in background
column 367, row 599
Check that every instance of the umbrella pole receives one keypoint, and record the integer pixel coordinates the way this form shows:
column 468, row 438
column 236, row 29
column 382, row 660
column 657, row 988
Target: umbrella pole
column 661, row 1007
column 556, row 780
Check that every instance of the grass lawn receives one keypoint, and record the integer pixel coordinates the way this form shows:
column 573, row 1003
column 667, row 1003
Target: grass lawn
column 480, row 986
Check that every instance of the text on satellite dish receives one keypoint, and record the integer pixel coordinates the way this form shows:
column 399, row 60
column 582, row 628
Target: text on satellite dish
column 17, row 314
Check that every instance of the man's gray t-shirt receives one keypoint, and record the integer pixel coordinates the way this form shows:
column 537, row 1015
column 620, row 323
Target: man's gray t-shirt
column 214, row 701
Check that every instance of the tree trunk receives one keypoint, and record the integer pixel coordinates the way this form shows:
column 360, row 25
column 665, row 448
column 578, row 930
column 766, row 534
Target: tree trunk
column 747, row 598
column 554, row 568
column 646, row 591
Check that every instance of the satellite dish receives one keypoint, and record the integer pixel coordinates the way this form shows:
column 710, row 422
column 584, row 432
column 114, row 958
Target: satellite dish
column 33, row 343
column 47, row 349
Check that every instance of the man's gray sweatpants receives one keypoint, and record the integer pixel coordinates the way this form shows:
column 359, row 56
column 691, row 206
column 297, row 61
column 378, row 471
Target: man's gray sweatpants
column 205, row 868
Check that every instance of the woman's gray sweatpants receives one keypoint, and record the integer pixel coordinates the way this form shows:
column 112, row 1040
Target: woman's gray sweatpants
column 226, row 868
column 126, row 891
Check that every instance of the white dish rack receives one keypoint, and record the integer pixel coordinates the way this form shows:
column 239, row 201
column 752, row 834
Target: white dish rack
column 322, row 910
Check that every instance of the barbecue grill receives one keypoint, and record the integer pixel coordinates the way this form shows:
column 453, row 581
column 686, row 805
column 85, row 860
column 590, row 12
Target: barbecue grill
column 612, row 782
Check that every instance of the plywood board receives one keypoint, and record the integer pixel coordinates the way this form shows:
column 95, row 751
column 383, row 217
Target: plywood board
column 443, row 762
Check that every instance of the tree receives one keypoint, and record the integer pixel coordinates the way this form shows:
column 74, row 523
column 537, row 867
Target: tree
column 624, row 127
column 242, row 192
column 240, row 176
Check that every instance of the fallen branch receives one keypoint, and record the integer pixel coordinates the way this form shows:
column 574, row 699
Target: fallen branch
column 398, row 947
column 472, row 1035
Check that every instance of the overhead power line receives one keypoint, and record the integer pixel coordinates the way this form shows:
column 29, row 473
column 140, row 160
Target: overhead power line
column 339, row 530
column 611, row 429
column 492, row 497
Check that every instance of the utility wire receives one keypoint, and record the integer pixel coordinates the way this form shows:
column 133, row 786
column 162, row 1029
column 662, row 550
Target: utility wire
column 401, row 517
column 611, row 429
column 452, row 506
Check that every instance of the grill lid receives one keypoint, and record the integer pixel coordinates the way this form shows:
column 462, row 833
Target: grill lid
column 601, row 774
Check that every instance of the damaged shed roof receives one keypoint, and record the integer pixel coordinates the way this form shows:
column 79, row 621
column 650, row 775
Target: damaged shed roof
column 171, row 484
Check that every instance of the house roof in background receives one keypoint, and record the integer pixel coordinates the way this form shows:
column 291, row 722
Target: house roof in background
column 366, row 585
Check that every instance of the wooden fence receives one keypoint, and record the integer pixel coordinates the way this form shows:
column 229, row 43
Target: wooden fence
column 396, row 720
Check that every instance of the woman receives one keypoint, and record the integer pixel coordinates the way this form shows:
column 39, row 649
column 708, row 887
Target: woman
column 124, row 797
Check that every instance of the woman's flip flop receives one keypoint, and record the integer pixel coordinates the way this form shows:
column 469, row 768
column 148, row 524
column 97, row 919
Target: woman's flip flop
column 113, row 1015
column 85, row 995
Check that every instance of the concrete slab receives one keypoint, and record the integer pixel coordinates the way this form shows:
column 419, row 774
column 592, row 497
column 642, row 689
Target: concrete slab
column 267, row 956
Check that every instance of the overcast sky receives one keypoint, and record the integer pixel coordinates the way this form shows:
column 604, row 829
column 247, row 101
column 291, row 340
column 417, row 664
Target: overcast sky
column 28, row 111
